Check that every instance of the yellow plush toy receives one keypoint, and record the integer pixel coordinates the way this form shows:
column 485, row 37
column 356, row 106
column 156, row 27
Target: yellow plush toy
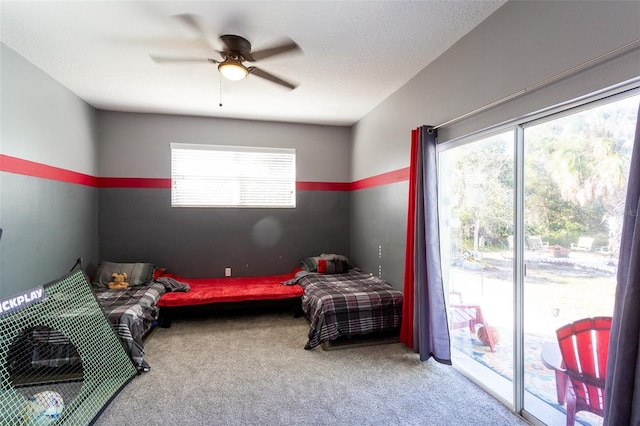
column 118, row 282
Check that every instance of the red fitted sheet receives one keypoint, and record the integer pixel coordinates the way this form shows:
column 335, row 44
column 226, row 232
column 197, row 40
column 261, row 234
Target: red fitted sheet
column 231, row 289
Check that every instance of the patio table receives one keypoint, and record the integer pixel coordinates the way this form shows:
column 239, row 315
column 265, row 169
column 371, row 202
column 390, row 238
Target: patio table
column 552, row 359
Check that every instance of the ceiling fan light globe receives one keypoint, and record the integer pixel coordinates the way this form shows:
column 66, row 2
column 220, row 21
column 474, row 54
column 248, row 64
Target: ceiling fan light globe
column 232, row 70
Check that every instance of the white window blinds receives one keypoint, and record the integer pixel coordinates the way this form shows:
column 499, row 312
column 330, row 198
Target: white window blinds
column 232, row 176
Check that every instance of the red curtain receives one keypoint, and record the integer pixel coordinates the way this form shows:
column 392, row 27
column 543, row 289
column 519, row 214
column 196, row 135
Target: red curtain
column 406, row 330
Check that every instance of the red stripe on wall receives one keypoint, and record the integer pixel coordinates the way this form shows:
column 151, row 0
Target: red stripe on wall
column 323, row 186
column 383, row 179
column 114, row 182
column 30, row 168
column 39, row 170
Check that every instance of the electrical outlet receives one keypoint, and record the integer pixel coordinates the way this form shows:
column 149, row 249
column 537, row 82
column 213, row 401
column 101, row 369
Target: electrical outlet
column 227, row 272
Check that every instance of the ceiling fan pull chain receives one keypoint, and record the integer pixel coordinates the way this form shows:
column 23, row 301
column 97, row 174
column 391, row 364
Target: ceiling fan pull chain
column 220, row 79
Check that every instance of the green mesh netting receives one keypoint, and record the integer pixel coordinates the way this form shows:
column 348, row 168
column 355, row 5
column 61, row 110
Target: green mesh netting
column 60, row 360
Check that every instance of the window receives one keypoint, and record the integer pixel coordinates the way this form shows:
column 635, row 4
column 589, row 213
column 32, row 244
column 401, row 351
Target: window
column 232, row 176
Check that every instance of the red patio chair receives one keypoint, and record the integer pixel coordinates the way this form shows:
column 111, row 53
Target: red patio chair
column 469, row 315
column 584, row 345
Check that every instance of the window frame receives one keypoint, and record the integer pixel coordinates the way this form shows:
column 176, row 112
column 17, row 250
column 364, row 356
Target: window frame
column 225, row 176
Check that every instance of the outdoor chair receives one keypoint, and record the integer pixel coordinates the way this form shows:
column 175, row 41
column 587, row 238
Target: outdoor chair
column 469, row 315
column 584, row 346
column 584, row 244
column 536, row 243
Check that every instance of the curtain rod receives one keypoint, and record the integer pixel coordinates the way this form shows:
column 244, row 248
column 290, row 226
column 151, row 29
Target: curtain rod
column 539, row 84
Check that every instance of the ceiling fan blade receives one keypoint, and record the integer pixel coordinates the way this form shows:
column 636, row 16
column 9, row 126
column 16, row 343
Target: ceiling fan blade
column 193, row 22
column 272, row 51
column 179, row 59
column 267, row 76
column 236, row 44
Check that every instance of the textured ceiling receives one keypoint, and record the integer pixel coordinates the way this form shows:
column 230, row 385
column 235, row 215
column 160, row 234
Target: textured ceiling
column 355, row 53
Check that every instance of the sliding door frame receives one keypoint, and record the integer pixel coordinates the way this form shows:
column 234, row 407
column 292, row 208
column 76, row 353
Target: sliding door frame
column 518, row 125
column 519, row 271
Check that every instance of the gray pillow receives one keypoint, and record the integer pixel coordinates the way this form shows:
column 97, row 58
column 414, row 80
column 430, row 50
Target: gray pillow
column 326, row 264
column 137, row 273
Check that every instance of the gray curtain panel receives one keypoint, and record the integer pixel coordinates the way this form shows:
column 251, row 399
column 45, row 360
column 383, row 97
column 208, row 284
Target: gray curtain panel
column 431, row 330
column 622, row 388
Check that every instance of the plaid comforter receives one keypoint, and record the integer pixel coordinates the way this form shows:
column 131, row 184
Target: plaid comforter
column 131, row 312
column 48, row 347
column 348, row 304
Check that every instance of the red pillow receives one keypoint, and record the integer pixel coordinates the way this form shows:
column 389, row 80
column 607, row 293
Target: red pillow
column 322, row 266
column 158, row 272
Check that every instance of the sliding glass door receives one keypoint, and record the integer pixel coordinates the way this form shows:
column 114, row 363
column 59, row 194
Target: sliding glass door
column 530, row 222
column 476, row 212
column 576, row 168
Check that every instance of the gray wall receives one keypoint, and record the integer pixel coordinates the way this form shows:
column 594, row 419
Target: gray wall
column 137, row 145
column 46, row 224
column 139, row 224
column 521, row 44
column 378, row 225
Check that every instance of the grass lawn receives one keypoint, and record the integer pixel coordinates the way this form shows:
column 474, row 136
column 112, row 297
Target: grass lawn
column 556, row 292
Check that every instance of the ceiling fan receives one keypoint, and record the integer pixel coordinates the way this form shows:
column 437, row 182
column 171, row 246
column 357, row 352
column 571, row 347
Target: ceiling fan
column 236, row 51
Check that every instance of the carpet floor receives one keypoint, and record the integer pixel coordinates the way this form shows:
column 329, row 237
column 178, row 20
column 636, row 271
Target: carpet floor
column 244, row 369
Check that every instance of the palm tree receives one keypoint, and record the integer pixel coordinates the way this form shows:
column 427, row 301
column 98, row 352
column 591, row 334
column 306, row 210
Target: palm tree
column 590, row 167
